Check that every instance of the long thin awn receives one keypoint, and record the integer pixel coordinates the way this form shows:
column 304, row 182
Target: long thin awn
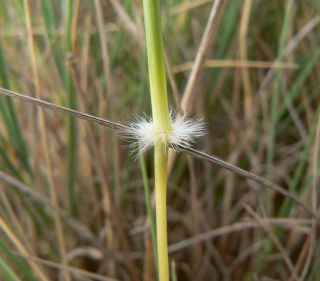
column 188, row 150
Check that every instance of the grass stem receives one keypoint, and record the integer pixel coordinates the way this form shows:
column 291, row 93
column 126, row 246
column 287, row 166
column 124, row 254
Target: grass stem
column 161, row 123
column 45, row 143
column 160, row 163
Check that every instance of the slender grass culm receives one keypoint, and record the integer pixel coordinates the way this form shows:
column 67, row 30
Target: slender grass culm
column 161, row 123
column 163, row 130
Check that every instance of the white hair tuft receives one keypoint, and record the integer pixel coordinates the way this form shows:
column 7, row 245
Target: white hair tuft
column 183, row 131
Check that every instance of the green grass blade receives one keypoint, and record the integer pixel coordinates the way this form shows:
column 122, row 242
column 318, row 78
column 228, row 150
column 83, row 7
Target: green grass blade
column 72, row 130
column 10, row 119
column 51, row 28
column 275, row 98
column 20, row 263
column 5, row 159
column 302, row 77
column 7, row 273
column 313, row 94
column 49, row 17
column 298, row 173
column 227, row 33
column 174, row 276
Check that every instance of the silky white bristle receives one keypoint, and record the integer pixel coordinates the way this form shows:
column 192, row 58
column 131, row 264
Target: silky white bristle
column 183, row 131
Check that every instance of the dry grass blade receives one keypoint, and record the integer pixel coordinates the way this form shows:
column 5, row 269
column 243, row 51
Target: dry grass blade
column 236, row 64
column 188, row 150
column 109, row 206
column 186, row 6
column 78, row 227
column 186, row 104
column 22, row 250
column 291, row 46
column 245, row 75
column 44, row 139
column 213, row 22
column 67, row 268
column 127, row 21
column 311, row 241
column 227, row 230
column 106, row 110
column 266, row 227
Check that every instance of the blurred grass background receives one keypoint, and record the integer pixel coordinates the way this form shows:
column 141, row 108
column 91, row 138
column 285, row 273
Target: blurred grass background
column 258, row 94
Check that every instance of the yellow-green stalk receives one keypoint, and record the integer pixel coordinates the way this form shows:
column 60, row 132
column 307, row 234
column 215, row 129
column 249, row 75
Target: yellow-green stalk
column 161, row 122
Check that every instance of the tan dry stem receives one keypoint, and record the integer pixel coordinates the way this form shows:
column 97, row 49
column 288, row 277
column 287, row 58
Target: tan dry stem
column 45, row 143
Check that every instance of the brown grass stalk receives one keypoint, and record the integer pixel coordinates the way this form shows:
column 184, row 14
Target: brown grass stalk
column 45, row 143
column 22, row 250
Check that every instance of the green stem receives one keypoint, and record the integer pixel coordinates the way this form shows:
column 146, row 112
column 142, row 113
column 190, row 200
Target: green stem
column 161, row 122
column 7, row 273
column 157, row 76
column 160, row 163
